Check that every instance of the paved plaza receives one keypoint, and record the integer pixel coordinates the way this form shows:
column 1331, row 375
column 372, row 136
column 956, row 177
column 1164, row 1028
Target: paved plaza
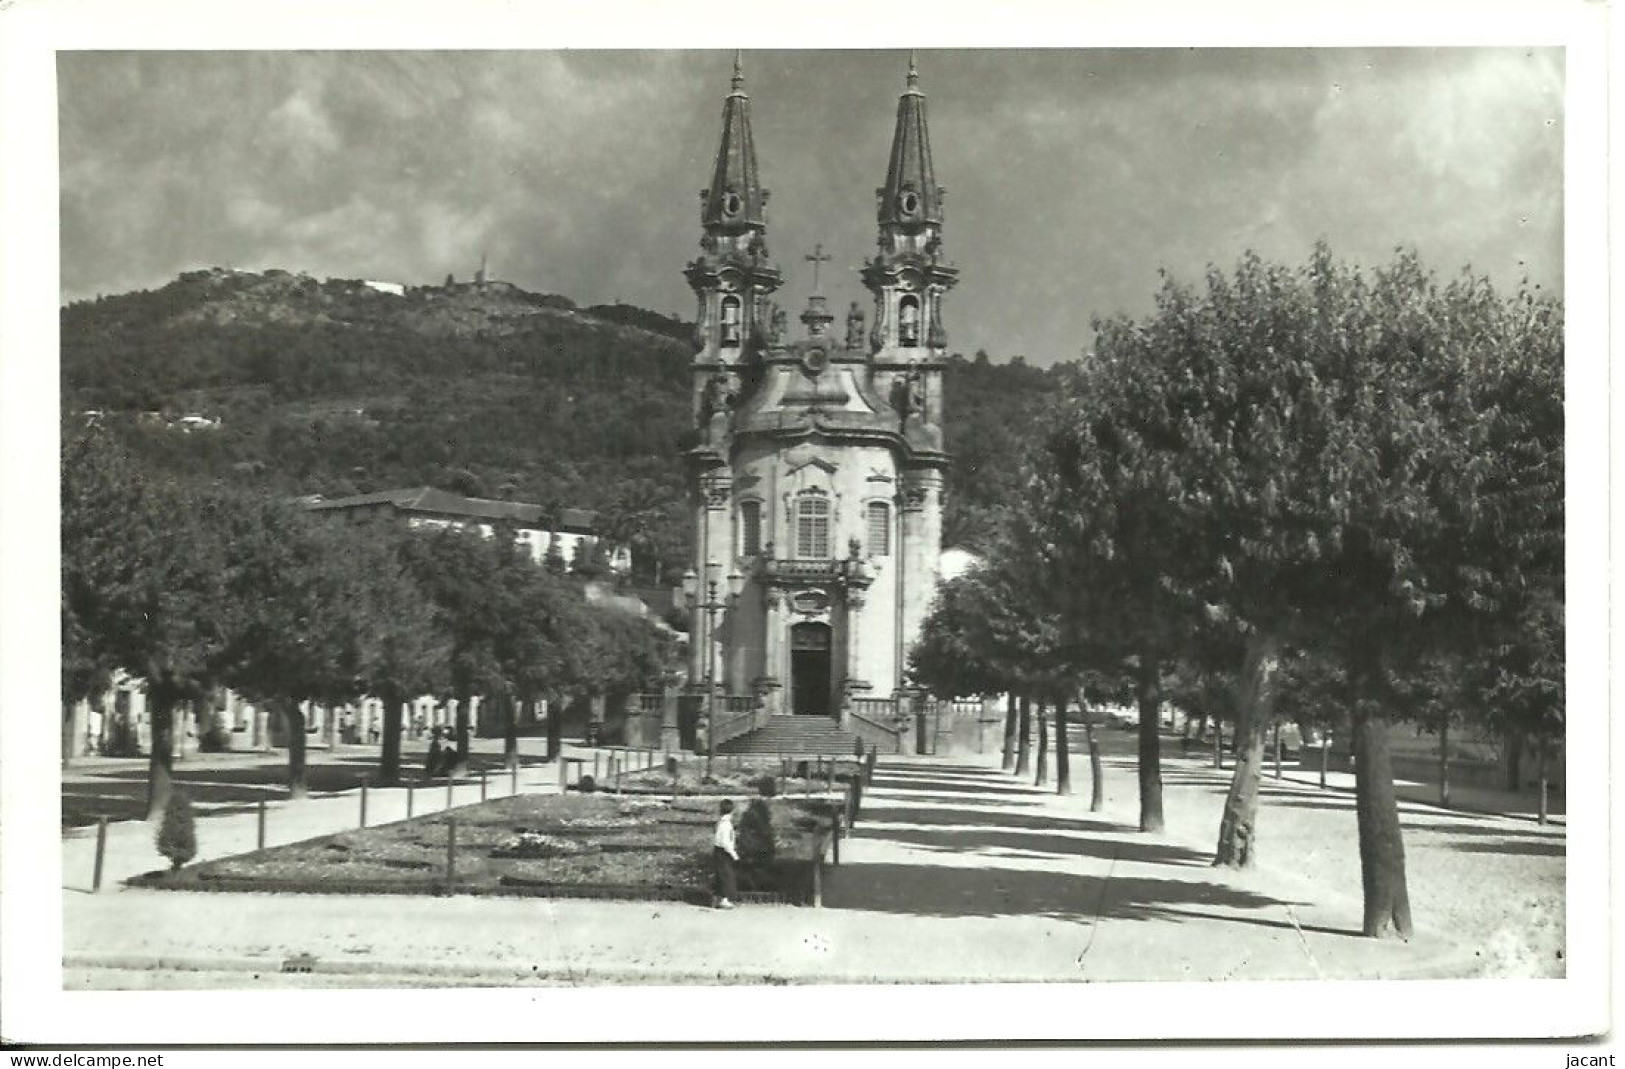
column 957, row 872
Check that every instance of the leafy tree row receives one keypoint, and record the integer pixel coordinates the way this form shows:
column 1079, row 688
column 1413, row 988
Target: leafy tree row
column 1348, row 482
column 191, row 589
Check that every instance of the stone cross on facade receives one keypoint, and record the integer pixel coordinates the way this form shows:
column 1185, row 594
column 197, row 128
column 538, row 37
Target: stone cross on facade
column 816, row 258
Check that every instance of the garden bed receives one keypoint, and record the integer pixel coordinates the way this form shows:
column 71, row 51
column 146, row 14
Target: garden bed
column 579, row 845
column 731, row 776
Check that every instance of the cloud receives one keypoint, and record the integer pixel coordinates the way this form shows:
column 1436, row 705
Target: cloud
column 1073, row 175
column 301, row 131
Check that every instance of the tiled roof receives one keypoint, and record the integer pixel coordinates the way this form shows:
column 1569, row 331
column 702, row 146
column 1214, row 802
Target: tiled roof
column 444, row 503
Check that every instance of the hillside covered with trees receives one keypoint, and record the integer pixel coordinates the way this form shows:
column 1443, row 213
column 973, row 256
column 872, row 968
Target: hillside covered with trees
column 335, row 387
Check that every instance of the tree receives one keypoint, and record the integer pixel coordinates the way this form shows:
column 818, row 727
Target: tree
column 463, row 575
column 406, row 649
column 142, row 589
column 302, row 596
column 177, row 834
column 1107, row 522
column 990, row 632
column 543, row 652
column 1292, row 455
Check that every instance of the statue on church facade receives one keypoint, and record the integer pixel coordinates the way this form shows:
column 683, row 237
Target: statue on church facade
column 854, row 327
column 908, row 395
column 716, row 402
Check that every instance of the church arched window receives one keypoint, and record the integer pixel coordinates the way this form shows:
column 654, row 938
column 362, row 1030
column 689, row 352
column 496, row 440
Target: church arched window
column 908, row 321
column 730, row 321
column 878, row 515
column 812, row 526
column 750, row 528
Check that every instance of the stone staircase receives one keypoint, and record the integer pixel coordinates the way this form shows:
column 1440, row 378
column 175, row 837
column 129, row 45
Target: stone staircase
column 794, row 735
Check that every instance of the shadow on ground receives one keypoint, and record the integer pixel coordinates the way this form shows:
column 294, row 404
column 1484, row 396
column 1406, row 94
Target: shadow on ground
column 957, row 816
column 943, row 891
column 1032, row 844
column 1519, row 847
column 939, row 785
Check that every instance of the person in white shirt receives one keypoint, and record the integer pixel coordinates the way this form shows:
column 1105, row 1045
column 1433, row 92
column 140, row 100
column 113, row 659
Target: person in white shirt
column 724, row 856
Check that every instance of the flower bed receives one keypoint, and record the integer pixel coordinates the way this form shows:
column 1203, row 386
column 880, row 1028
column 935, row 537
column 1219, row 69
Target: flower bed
column 732, row 777
column 575, row 845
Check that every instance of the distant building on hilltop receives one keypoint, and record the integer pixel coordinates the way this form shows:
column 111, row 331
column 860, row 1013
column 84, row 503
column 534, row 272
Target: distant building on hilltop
column 572, row 531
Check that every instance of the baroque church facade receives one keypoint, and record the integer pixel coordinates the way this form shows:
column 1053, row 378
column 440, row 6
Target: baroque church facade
column 817, row 479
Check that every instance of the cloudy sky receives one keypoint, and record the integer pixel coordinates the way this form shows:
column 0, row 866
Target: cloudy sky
column 1072, row 175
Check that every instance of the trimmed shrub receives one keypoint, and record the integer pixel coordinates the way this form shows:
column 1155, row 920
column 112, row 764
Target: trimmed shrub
column 177, row 836
column 766, row 786
column 755, row 837
column 586, row 784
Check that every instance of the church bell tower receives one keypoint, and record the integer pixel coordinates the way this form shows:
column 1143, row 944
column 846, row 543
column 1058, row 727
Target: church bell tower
column 908, row 278
column 816, row 468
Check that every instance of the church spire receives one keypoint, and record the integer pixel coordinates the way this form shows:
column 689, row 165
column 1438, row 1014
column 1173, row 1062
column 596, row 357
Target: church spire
column 908, row 275
column 911, row 199
column 735, row 201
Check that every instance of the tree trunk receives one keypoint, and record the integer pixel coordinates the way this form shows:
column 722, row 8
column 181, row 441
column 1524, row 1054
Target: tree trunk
column 1024, row 731
column 1041, row 776
column 389, row 760
column 555, row 727
column 510, row 734
column 1325, row 756
column 295, row 720
column 1444, row 763
column 1218, row 743
column 1277, row 751
column 1514, row 761
column 1096, row 787
column 1540, row 774
column 1382, row 848
column 73, row 731
column 1149, row 693
column 1011, row 720
column 1238, row 830
column 457, row 765
column 160, row 753
column 1063, row 757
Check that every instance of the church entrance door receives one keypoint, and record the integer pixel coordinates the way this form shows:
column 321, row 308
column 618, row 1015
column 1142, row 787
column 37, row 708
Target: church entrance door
column 810, row 669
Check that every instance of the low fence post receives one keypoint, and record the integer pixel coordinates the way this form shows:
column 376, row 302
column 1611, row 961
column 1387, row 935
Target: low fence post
column 836, row 843
column 818, row 872
column 451, row 849
column 513, row 775
column 363, row 801
column 448, row 790
column 409, row 792
column 101, row 853
column 259, row 833
column 564, row 773
column 615, row 767
column 482, row 784
column 596, row 775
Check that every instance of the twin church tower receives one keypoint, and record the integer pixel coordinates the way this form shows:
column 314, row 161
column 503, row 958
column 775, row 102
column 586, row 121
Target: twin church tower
column 817, row 477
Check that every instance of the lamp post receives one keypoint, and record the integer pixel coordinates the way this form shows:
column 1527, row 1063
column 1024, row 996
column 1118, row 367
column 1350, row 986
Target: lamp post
column 715, row 599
